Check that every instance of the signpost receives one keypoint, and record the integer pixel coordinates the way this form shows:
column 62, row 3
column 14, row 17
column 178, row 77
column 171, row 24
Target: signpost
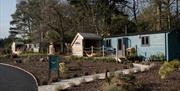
column 53, row 64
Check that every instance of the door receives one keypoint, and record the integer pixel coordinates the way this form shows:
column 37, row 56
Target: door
column 121, row 48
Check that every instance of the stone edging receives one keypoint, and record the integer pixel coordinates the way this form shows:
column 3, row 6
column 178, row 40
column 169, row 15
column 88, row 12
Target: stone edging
column 21, row 70
column 66, row 83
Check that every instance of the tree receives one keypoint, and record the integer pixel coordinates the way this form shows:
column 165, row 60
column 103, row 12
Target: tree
column 46, row 17
column 99, row 15
column 21, row 23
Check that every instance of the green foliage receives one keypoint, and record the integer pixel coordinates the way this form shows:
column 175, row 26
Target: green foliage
column 62, row 67
column 168, row 67
column 121, row 83
column 112, row 88
column 21, row 23
column 76, row 58
column 52, row 36
column 30, row 54
column 128, row 77
column 158, row 57
column 135, row 58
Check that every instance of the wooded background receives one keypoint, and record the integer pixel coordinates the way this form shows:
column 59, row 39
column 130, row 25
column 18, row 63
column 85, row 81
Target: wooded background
column 44, row 21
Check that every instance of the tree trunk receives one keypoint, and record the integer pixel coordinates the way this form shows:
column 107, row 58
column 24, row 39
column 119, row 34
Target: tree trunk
column 168, row 16
column 177, row 13
column 158, row 27
column 177, row 8
column 134, row 11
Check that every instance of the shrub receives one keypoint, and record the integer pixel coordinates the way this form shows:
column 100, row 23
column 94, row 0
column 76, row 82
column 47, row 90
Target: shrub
column 168, row 67
column 86, row 73
column 75, row 75
column 6, row 51
column 121, row 83
column 158, row 57
column 44, row 82
column 127, row 77
column 134, row 58
column 62, row 67
column 112, row 88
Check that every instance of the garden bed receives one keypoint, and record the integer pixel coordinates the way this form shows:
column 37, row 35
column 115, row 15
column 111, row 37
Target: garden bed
column 73, row 68
column 149, row 80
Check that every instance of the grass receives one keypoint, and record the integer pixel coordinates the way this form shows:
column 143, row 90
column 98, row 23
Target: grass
column 75, row 58
column 32, row 54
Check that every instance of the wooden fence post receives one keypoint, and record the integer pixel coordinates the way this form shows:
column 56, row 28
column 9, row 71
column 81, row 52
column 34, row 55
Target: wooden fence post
column 91, row 49
column 103, row 50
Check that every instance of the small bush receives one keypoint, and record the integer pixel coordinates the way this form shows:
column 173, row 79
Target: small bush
column 75, row 75
column 168, row 67
column 127, row 77
column 6, row 51
column 62, row 68
column 134, row 58
column 44, row 82
column 111, row 88
column 121, row 83
column 86, row 73
column 158, row 57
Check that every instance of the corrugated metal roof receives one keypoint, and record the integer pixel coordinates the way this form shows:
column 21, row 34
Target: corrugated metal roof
column 90, row 36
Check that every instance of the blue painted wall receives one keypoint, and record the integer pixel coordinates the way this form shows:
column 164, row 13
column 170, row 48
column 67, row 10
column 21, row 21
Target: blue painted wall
column 157, row 44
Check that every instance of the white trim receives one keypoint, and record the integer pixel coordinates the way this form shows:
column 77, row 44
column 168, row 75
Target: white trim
column 77, row 35
column 21, row 70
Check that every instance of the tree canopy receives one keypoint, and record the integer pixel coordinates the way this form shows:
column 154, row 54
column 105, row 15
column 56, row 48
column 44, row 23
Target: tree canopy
column 57, row 21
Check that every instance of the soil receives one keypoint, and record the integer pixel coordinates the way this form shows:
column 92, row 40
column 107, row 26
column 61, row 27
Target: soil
column 149, row 80
column 74, row 68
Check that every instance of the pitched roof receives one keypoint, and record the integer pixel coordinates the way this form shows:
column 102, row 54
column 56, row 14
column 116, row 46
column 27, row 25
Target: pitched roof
column 90, row 36
column 141, row 33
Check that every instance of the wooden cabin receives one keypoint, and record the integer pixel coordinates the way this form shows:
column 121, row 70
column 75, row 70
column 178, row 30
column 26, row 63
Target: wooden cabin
column 164, row 43
column 83, row 41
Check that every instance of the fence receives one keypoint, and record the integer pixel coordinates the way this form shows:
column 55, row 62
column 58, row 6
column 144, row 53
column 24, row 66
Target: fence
column 100, row 51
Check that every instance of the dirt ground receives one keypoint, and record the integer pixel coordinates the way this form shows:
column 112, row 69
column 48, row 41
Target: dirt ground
column 74, row 68
column 149, row 80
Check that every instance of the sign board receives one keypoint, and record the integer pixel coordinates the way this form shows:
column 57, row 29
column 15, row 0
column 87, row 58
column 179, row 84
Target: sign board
column 53, row 62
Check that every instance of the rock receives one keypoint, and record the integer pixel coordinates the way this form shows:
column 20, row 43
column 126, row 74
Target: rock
column 42, row 59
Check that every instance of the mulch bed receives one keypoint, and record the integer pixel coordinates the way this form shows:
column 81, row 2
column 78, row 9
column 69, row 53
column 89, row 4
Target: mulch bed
column 75, row 68
column 150, row 81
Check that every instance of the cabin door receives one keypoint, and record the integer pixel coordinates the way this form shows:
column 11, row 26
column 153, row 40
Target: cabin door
column 121, row 47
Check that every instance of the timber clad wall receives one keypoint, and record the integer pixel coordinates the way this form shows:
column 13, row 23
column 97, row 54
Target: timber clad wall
column 156, row 44
column 77, row 48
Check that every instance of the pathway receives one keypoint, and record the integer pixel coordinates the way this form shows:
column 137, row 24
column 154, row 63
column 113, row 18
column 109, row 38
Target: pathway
column 15, row 79
column 63, row 84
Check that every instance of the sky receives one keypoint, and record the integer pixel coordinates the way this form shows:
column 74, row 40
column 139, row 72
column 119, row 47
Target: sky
column 7, row 7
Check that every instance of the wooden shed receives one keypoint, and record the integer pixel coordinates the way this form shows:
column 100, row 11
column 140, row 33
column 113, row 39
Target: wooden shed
column 84, row 41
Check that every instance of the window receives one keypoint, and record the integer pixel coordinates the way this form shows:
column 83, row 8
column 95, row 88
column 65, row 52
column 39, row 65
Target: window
column 119, row 44
column 145, row 41
column 108, row 43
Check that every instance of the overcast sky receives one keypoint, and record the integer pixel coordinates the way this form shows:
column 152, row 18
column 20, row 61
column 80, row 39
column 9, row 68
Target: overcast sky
column 7, row 7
